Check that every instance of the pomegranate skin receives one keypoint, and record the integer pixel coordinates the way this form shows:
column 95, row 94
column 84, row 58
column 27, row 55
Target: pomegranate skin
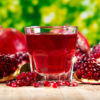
column 12, row 41
column 82, row 45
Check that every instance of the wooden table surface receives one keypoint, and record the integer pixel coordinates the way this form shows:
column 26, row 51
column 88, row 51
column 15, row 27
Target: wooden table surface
column 82, row 92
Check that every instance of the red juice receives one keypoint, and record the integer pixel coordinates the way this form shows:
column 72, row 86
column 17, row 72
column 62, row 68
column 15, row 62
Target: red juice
column 52, row 54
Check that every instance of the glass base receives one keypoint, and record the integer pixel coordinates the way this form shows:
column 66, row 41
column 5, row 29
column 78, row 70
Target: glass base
column 56, row 77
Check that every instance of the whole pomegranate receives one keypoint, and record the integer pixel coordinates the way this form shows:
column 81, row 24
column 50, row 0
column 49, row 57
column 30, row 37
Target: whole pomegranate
column 11, row 41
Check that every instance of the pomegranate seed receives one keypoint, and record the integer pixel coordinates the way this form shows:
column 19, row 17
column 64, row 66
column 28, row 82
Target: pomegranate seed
column 5, row 74
column 54, row 85
column 67, row 83
column 14, row 84
column 89, row 73
column 79, row 72
column 14, row 68
column 26, row 83
column 8, row 83
column 86, row 69
column 19, row 82
column 58, row 83
column 18, row 77
column 36, row 84
column 29, row 73
column 34, row 74
column 23, row 75
column 82, row 72
column 28, row 78
column 47, row 84
column 74, row 84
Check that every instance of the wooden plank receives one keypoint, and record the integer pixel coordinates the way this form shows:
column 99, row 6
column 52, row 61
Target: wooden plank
column 29, row 93
column 82, row 92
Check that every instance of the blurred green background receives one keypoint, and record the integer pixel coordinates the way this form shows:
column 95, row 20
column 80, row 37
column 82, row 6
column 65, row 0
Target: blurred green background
column 82, row 13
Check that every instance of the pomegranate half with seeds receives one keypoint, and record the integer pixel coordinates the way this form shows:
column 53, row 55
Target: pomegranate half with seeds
column 87, row 70
column 11, row 64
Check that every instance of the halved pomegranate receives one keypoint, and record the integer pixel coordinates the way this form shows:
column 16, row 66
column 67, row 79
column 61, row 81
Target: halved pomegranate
column 11, row 41
column 10, row 65
column 87, row 70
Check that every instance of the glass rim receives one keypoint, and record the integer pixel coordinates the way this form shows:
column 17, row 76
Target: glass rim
column 65, row 26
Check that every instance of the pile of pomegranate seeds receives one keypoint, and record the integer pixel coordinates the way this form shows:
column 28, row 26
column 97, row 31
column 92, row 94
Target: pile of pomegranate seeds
column 24, row 79
column 29, row 79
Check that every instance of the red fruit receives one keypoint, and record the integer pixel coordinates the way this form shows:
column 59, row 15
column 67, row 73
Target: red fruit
column 47, row 84
column 10, row 65
column 82, row 45
column 36, row 84
column 95, row 52
column 54, row 85
column 67, row 83
column 87, row 70
column 18, row 77
column 11, row 41
column 14, row 84
column 74, row 84
column 24, row 79
column 60, row 83
column 19, row 83
column 8, row 83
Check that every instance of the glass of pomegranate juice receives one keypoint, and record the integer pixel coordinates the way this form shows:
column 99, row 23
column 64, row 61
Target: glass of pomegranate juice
column 51, row 49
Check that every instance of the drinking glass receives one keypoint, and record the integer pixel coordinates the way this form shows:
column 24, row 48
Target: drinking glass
column 51, row 49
